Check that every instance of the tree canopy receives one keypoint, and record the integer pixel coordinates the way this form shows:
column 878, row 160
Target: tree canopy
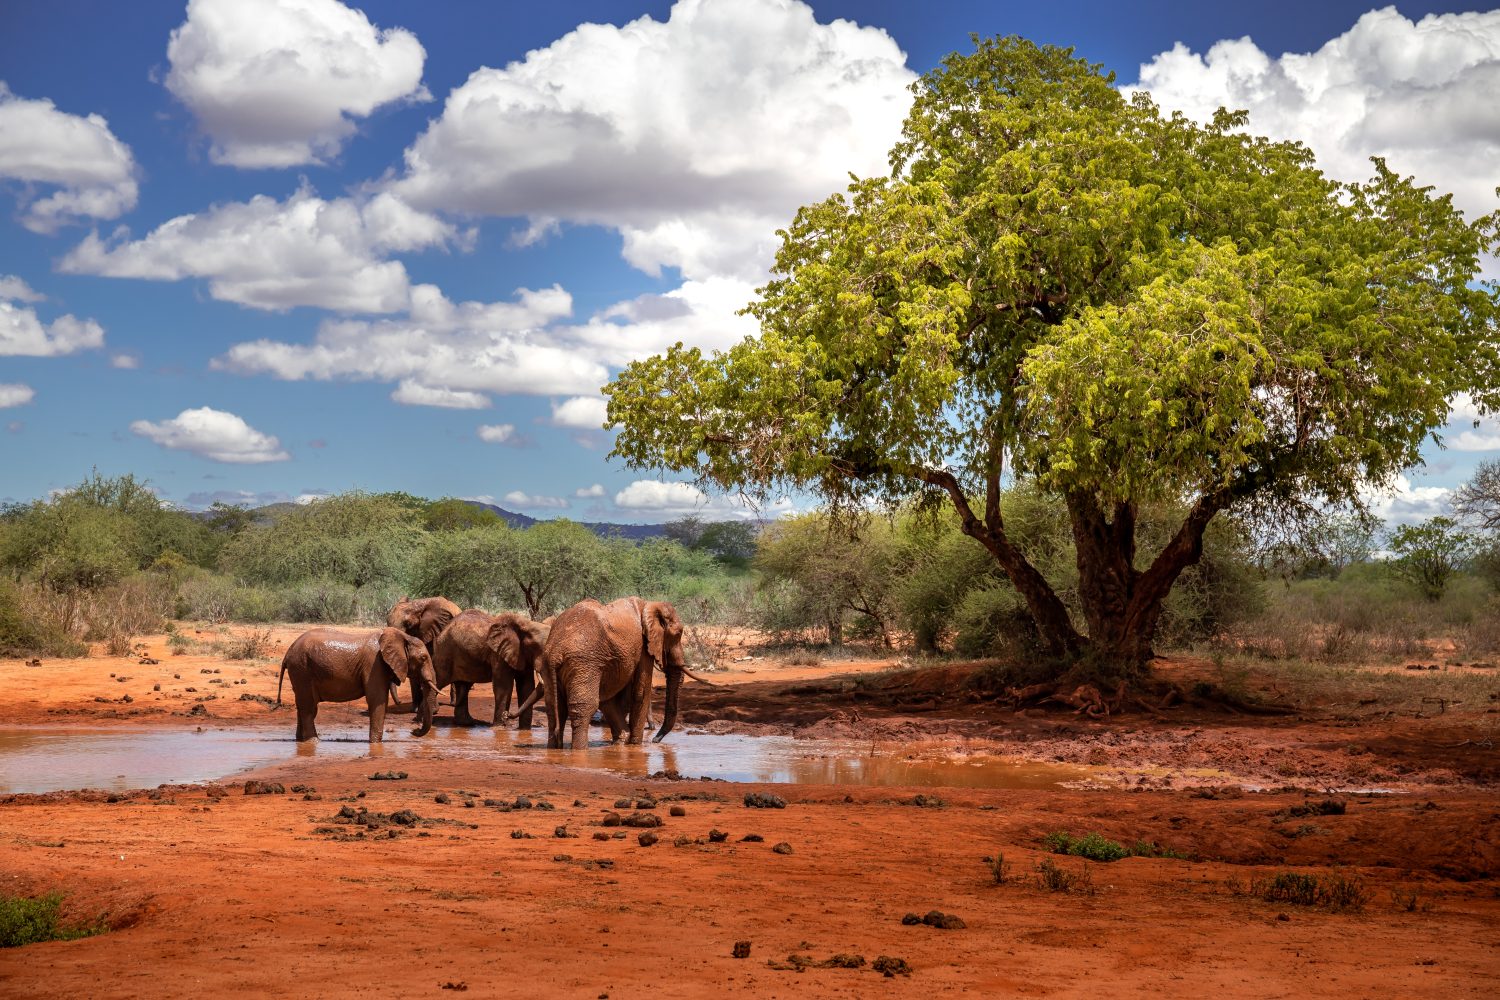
column 1062, row 285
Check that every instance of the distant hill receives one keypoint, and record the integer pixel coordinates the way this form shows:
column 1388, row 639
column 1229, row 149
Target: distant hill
column 604, row 529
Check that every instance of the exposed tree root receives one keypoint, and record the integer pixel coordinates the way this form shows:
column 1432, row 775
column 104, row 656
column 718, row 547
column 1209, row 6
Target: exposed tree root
column 1089, row 700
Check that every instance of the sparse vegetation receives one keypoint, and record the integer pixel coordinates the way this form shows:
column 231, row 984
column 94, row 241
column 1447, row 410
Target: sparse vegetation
column 1336, row 892
column 28, row 920
column 1054, row 878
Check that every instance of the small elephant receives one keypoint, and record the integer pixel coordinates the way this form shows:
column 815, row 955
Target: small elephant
column 424, row 618
column 506, row 650
column 602, row 657
column 331, row 665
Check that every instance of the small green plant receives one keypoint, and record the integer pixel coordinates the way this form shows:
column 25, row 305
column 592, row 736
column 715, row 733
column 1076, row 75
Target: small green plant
column 1091, row 845
column 1054, row 878
column 1335, row 892
column 26, row 920
column 179, row 643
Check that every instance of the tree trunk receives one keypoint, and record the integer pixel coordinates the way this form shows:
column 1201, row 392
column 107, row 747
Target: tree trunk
column 835, row 628
column 1121, row 604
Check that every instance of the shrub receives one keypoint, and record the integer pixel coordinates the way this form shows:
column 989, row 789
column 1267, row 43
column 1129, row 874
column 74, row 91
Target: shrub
column 1335, row 892
column 252, row 645
column 1055, row 878
column 1092, row 846
column 25, row 920
column 26, row 632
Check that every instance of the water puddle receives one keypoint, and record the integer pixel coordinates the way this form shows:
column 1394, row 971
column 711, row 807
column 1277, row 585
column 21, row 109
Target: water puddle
column 45, row 759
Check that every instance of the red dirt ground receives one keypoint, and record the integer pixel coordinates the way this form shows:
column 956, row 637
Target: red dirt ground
column 210, row 892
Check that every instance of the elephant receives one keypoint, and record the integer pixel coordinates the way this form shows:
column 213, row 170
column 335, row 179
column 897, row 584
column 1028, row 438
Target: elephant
column 602, row 657
column 424, row 618
column 332, row 665
column 506, row 650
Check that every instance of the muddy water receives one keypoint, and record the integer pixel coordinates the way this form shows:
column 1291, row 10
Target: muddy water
column 47, row 759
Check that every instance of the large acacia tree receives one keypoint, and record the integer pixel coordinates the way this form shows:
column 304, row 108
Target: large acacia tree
column 1060, row 284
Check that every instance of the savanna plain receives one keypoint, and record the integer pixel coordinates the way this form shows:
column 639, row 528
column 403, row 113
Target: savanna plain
column 1343, row 847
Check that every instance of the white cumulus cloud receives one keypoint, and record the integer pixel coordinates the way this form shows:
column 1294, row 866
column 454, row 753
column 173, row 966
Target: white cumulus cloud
column 439, row 348
column 275, row 83
column 14, row 289
column 269, row 254
column 414, row 393
column 695, row 137
column 587, row 492
column 497, row 433
column 124, row 361
column 15, row 394
column 517, row 498
column 213, row 434
column 88, row 172
column 1399, row 502
column 1470, row 430
column 22, row 333
column 1422, row 94
column 581, row 412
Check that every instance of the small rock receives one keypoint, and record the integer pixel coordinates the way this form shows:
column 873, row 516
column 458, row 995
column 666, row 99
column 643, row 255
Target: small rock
column 912, row 919
column 782, row 848
column 561, row 833
column 623, row 803
column 520, row 835
column 944, row 921
column 891, row 967
column 645, row 803
column 762, row 800
column 717, row 836
column 647, row 838
column 388, row 776
column 741, row 949
column 600, row 835
column 677, row 811
column 683, row 841
column 441, row 798
column 752, row 838
column 254, row 787
column 646, row 820
column 610, row 819
column 156, row 687
column 522, row 802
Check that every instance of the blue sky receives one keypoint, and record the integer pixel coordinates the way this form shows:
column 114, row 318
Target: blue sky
column 301, row 247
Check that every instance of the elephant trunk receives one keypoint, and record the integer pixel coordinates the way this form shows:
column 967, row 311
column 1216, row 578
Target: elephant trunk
column 426, row 711
column 669, row 715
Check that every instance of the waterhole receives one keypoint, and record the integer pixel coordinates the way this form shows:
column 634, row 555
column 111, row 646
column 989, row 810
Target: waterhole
column 49, row 759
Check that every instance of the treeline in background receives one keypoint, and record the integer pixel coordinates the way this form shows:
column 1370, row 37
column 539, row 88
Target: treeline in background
column 107, row 561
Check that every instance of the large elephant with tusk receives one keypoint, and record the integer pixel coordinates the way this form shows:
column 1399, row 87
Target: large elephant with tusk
column 603, row 656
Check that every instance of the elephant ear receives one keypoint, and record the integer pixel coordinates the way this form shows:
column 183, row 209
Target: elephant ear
column 393, row 652
column 434, row 620
column 503, row 640
column 662, row 627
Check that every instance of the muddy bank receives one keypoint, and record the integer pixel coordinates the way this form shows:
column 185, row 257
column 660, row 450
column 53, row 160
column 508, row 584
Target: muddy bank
column 216, row 890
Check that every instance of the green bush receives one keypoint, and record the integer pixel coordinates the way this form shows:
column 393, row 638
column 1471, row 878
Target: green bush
column 24, row 632
column 25, row 920
column 1091, row 845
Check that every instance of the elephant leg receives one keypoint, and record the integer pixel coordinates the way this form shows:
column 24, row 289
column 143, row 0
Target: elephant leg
column 525, row 688
column 580, row 715
column 614, row 717
column 461, row 714
column 640, row 707
column 307, row 718
column 377, row 717
column 503, row 682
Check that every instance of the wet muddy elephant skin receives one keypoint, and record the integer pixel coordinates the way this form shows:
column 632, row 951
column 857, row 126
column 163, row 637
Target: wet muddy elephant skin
column 603, row 656
column 506, row 650
column 423, row 618
column 327, row 664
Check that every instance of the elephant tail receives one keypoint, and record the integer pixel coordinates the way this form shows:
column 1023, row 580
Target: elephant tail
column 279, row 678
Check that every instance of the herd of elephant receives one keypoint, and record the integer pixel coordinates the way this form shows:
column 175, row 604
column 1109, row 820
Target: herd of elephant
column 591, row 657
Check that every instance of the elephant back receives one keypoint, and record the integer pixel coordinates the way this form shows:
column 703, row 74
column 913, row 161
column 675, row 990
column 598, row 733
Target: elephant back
column 461, row 653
